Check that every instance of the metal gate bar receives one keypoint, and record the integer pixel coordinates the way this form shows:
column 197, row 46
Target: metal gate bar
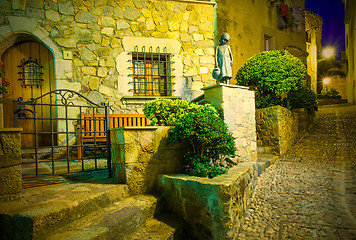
column 63, row 129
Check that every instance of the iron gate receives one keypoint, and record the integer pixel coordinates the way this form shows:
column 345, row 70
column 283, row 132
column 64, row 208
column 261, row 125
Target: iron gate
column 54, row 126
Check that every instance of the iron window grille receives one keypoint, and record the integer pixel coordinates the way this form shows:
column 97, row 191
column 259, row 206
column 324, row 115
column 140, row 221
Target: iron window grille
column 151, row 72
column 30, row 73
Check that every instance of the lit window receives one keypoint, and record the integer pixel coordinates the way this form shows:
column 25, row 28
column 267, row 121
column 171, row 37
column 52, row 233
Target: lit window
column 151, row 74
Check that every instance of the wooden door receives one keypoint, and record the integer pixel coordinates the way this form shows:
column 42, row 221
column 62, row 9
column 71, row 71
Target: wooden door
column 12, row 59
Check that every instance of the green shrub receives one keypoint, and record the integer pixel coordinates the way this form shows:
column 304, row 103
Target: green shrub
column 272, row 74
column 201, row 127
column 205, row 132
column 331, row 94
column 203, row 167
column 302, row 98
column 165, row 112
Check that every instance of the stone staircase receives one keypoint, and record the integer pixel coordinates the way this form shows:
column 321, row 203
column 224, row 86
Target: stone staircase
column 81, row 211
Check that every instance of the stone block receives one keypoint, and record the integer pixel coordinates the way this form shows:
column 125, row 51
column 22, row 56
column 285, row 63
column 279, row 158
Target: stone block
column 10, row 183
column 10, row 149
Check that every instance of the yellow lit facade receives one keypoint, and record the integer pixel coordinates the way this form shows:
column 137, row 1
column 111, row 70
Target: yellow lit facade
column 255, row 26
column 313, row 29
column 350, row 39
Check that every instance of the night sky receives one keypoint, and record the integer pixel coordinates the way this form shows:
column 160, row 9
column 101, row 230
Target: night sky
column 332, row 12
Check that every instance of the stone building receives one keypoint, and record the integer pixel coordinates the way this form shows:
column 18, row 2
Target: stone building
column 313, row 29
column 123, row 52
column 350, row 38
column 258, row 25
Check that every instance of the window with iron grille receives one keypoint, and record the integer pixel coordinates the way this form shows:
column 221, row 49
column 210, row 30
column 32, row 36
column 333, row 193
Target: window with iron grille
column 151, row 73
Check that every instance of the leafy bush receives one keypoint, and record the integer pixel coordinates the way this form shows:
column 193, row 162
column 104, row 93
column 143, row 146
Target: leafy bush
column 302, row 98
column 165, row 112
column 210, row 145
column 203, row 167
column 208, row 140
column 272, row 74
column 332, row 93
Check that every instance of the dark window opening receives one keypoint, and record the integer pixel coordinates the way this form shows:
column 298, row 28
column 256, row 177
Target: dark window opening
column 151, row 73
column 30, row 73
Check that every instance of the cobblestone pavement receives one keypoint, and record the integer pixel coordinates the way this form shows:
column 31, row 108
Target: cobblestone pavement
column 310, row 193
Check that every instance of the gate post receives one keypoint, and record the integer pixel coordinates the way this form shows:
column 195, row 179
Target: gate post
column 108, row 139
column 10, row 164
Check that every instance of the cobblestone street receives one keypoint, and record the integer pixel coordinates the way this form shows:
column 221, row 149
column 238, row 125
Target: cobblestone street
column 310, row 193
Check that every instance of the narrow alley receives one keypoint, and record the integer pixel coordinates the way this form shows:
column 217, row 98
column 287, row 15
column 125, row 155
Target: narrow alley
column 310, row 193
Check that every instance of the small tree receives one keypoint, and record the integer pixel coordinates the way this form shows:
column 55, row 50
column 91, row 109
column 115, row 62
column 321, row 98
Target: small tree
column 272, row 74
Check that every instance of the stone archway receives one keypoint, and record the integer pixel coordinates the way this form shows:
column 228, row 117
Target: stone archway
column 23, row 28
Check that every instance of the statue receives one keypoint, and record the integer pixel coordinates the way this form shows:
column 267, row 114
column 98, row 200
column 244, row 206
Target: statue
column 223, row 60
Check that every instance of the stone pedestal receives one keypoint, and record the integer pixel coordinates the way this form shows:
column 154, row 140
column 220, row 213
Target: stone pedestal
column 238, row 105
column 10, row 164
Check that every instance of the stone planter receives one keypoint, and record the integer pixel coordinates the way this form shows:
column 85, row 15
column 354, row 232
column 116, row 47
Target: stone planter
column 212, row 208
column 140, row 155
column 276, row 128
column 305, row 118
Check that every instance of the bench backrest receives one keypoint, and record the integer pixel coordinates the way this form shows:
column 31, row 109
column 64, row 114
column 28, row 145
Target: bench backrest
column 95, row 124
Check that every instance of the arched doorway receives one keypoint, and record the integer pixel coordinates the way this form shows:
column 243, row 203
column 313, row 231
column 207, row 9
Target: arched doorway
column 28, row 53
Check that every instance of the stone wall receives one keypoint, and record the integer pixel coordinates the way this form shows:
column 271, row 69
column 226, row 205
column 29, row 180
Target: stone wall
column 87, row 39
column 277, row 129
column 305, row 118
column 238, row 105
column 212, row 208
column 140, row 155
column 10, row 164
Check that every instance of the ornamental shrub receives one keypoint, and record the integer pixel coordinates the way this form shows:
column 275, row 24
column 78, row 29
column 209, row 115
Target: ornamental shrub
column 165, row 112
column 302, row 98
column 209, row 142
column 331, row 94
column 210, row 145
column 272, row 73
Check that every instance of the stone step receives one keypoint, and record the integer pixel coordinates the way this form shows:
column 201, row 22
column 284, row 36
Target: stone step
column 113, row 222
column 43, row 209
column 165, row 227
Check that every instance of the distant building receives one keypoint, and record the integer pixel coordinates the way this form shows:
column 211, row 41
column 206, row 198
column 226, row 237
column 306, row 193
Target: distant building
column 261, row 25
column 350, row 43
column 313, row 30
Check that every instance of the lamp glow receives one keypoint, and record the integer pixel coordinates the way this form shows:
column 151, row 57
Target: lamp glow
column 326, row 80
column 328, row 52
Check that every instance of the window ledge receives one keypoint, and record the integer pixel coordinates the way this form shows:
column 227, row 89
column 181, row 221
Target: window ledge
column 143, row 99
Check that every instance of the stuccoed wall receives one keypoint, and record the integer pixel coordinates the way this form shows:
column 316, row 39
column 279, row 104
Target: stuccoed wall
column 140, row 155
column 10, row 164
column 248, row 21
column 86, row 37
column 238, row 105
column 212, row 208
column 277, row 128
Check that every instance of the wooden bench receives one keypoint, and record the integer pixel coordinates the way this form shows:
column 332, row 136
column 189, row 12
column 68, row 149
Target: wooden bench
column 92, row 128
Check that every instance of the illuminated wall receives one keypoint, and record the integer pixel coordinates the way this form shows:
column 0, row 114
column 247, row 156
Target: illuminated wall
column 255, row 25
column 350, row 38
column 313, row 29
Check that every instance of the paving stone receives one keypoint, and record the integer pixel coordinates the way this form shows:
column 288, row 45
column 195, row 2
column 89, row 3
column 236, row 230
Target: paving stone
column 309, row 193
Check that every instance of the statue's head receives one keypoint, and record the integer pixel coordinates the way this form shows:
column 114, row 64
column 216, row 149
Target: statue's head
column 225, row 37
